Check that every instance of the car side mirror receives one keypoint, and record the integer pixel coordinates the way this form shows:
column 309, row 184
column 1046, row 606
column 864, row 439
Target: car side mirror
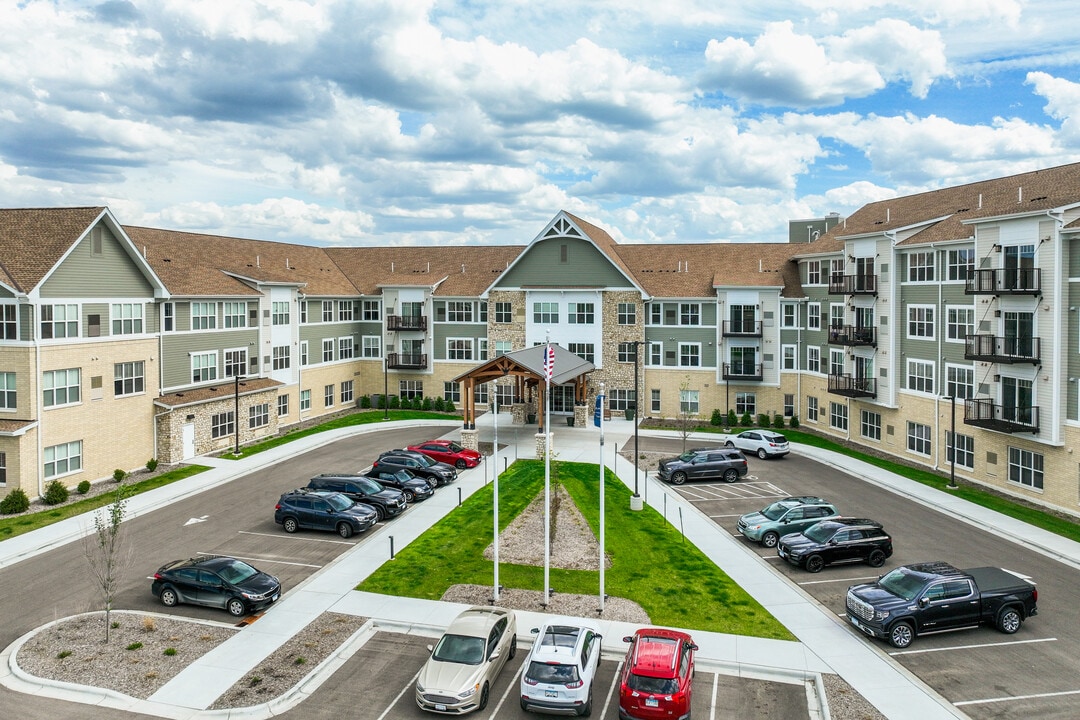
column 535, row 631
column 692, row 646
column 431, row 648
column 628, row 638
column 494, row 656
column 924, row 601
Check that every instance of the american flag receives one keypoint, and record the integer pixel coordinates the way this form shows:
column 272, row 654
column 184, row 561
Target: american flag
column 549, row 362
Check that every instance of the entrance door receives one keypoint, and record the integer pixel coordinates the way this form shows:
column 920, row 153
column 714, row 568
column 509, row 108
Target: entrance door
column 562, row 398
column 187, row 440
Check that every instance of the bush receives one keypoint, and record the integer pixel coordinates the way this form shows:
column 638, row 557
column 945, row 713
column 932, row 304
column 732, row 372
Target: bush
column 417, row 403
column 365, row 401
column 15, row 502
column 794, row 421
column 395, row 402
column 426, row 405
column 763, row 420
column 450, row 406
column 169, row 651
column 717, row 418
column 778, row 421
column 382, row 402
column 151, row 464
column 134, row 646
column 118, row 475
column 439, row 405
column 746, row 421
column 83, row 487
column 732, row 420
column 56, row 492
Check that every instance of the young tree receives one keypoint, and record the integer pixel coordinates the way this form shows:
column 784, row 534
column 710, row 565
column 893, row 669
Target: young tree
column 686, row 421
column 106, row 552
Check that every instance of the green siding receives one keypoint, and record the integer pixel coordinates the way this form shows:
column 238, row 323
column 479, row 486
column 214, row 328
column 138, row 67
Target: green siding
column 671, row 337
column 1073, row 257
column 85, row 275
column 1072, row 340
column 176, row 349
column 542, row 266
column 442, row 331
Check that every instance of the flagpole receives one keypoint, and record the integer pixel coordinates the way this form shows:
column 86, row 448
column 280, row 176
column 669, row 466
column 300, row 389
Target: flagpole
column 548, row 358
column 600, row 410
column 495, row 489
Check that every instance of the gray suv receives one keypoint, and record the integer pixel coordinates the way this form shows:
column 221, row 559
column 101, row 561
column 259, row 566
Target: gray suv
column 704, row 464
column 790, row 515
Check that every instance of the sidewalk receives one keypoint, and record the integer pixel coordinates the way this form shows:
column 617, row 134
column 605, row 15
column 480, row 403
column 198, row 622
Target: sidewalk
column 824, row 643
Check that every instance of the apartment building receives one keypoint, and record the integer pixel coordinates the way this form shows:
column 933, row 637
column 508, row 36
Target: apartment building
column 917, row 325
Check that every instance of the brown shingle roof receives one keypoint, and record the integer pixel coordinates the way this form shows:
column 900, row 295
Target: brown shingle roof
column 32, row 241
column 460, row 271
column 215, row 392
column 696, row 270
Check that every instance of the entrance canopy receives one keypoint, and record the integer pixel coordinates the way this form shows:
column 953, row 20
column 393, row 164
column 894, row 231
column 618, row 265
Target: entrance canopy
column 527, row 367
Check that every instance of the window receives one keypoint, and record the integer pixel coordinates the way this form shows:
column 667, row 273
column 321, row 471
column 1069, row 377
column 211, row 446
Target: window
column 811, row 409
column 656, row 353
column 960, row 381
column 305, row 400
column 222, row 425
column 412, row 389
column 546, row 313
column 452, row 390
column 788, row 316
column 60, row 387
column 621, row 399
column 836, row 315
column 961, row 264
column 813, row 359
column 59, row 321
column 235, row 363
column 303, row 312
column 580, row 314
column 836, row 362
column 688, row 402
column 918, row 438
column 128, row 378
column 8, row 396
column 127, row 318
column 345, row 310
column 959, row 323
column 345, row 348
column 203, row 316
column 279, row 313
column 459, row 311
column 870, row 425
column 813, row 272
column 656, row 314
column 63, row 459
column 690, row 354
column 371, row 346
column 203, row 367
column 920, row 376
column 235, row 314
column 813, row 316
column 838, row 416
column 483, row 311
column 328, row 395
column 789, row 359
column 304, row 352
column 281, row 357
column 9, row 326
column 168, row 313
column 689, row 314
column 655, row 400
column 504, row 312
column 965, row 450
column 584, row 350
column 346, row 392
column 920, row 267
column 327, row 350
column 746, row 402
column 258, row 416
column 921, row 321
column 3, row 468
column 459, row 349
column 481, row 349
column 372, row 310
column 1026, row 468
column 627, row 351
column 789, row 405
column 282, row 405
column 627, row 314
column 327, row 311
column 502, row 347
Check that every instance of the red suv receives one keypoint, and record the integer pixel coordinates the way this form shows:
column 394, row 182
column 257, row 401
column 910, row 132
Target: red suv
column 449, row 452
column 657, row 676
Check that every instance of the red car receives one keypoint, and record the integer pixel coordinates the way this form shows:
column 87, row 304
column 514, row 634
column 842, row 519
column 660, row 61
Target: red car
column 449, row 452
column 657, row 675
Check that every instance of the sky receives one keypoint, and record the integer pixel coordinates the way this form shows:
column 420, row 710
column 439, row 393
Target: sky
column 417, row 122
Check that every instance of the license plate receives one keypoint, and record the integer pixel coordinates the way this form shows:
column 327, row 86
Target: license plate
column 782, row 552
column 551, row 693
column 652, row 702
column 440, row 708
column 274, row 599
column 859, row 625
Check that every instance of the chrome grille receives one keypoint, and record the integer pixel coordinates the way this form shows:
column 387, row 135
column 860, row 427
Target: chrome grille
column 439, row 699
column 858, row 608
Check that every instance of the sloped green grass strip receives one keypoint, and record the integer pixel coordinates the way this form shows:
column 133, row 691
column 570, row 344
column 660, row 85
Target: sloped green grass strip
column 652, row 564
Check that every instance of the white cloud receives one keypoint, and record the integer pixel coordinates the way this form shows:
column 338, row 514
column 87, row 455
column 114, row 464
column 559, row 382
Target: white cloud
column 1062, row 101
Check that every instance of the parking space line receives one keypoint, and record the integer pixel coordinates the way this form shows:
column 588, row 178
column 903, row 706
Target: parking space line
column 611, row 690
column 973, row 647
column 719, row 516
column 514, row 685
column 403, row 691
column 268, row 560
column 1010, row 698
column 715, row 689
column 847, row 580
column 298, row 537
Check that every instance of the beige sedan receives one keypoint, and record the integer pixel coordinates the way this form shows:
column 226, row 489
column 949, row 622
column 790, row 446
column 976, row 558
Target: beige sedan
column 457, row 678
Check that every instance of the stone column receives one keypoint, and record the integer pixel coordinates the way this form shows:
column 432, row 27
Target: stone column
column 542, row 444
column 517, row 411
column 470, row 439
column 581, row 415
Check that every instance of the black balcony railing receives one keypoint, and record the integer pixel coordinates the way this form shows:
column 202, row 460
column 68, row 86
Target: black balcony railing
column 988, row 414
column 855, row 335
column 406, row 322
column 742, row 371
column 401, row 361
column 852, row 386
column 1005, row 281
column 742, row 328
column 853, row 285
column 990, row 348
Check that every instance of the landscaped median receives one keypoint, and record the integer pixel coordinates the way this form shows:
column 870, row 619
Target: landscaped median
column 651, row 563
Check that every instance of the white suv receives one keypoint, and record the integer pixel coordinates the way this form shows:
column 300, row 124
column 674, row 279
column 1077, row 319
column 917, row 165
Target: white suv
column 558, row 675
column 764, row 443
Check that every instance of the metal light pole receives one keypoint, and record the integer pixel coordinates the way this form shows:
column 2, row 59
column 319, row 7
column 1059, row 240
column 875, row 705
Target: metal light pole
column 637, row 399
column 236, row 412
column 386, row 384
column 952, row 464
column 600, row 412
column 495, row 488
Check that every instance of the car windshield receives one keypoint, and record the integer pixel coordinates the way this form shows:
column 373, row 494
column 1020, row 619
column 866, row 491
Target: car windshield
column 339, row 502
column 903, row 583
column 821, row 532
column 688, row 456
column 460, row 649
column 368, row 487
column 776, row 438
column 454, row 447
column 552, row 673
column 653, row 685
column 425, row 460
column 775, row 511
column 402, row 476
column 236, row 572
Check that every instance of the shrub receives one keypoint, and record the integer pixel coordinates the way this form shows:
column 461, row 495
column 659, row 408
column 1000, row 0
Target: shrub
column 395, row 402
column 118, row 475
column 763, row 420
column 439, row 405
column 15, row 502
column 778, row 421
column 134, row 646
column 151, row 464
column 746, row 421
column 426, row 404
column 300, row 660
column 382, row 402
column 83, row 487
column 732, row 420
column 63, row 654
column 365, row 401
column 56, row 492
column 169, row 651
column 794, row 421
column 450, row 406
column 148, row 623
column 717, row 418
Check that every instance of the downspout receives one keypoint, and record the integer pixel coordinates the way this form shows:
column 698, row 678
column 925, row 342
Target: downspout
column 35, row 331
column 1059, row 347
column 940, row 365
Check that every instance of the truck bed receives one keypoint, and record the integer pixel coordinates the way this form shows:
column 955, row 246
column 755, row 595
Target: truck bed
column 996, row 580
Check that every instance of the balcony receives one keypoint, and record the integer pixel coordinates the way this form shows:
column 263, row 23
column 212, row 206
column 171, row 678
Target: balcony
column 742, row 328
column 1012, row 350
column 406, row 322
column 854, row 387
column 853, row 285
column 852, row 335
column 401, row 361
column 988, row 414
column 742, row 372
column 1005, row 281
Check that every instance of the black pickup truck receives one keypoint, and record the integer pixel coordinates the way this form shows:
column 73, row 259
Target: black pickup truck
column 931, row 597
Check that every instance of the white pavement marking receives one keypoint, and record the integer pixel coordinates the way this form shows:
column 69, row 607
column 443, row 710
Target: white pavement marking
column 192, row 521
column 715, row 687
column 513, row 685
column 614, row 682
column 822, row 582
column 717, row 516
column 973, row 647
column 403, row 691
column 267, row 560
column 298, row 537
column 1018, row 697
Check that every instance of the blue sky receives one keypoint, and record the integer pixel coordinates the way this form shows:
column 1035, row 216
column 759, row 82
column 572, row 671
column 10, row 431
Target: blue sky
column 419, row 122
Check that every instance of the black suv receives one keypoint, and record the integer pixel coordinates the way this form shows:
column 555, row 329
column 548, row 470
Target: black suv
column 837, row 540
column 387, row 502
column 418, row 464
column 414, row 488
column 317, row 510
column 704, row 464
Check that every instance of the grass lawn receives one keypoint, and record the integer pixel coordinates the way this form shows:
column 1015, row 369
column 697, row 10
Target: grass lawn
column 651, row 562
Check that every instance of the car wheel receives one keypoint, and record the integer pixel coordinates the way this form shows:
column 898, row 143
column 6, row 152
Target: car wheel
column 729, row 444
column 678, row 478
column 483, row 697
column 731, row 475
column 762, row 454
column 236, row 607
column 169, row 598
column 525, row 706
column 290, row 525
column 460, row 464
column 1009, row 620
column 770, row 539
column 814, row 563
column 344, row 530
column 513, row 648
column 586, row 711
column 409, row 497
column 876, row 559
column 901, row 635
column 380, row 514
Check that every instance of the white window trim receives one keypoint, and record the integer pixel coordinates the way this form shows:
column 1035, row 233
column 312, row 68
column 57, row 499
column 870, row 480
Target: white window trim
column 364, row 346
column 932, row 322
column 929, row 439
column 813, row 316
column 679, row 357
column 348, row 341
column 794, row 358
column 932, row 266
column 470, row 348
column 813, row 349
column 958, row 366
column 933, row 376
column 224, row 361
column 191, row 366
column 962, row 340
column 794, row 308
